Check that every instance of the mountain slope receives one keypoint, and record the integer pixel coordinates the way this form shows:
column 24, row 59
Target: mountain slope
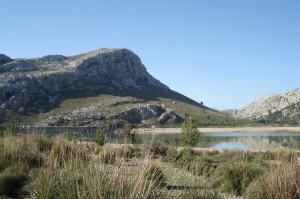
column 105, row 85
column 281, row 109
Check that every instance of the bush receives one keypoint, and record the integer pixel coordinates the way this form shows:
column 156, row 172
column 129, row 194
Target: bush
column 69, row 136
column 99, row 138
column 235, row 177
column 202, row 166
column 12, row 179
column 189, row 133
column 185, row 157
column 127, row 135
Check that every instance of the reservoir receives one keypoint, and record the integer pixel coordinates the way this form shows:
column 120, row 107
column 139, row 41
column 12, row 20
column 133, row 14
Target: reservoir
column 215, row 140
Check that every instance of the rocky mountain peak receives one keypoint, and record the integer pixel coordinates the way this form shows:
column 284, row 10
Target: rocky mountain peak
column 36, row 82
column 4, row 59
column 280, row 108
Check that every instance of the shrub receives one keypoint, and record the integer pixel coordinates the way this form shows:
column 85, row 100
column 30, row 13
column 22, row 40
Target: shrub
column 99, row 138
column 185, row 157
column 12, row 179
column 202, row 166
column 235, row 177
column 189, row 133
column 127, row 135
column 69, row 136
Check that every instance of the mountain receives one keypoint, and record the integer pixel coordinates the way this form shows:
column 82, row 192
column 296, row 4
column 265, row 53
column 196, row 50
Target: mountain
column 283, row 109
column 94, row 88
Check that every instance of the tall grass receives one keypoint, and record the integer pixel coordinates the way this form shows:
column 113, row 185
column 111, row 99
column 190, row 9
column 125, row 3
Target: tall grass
column 39, row 167
column 281, row 181
column 57, row 168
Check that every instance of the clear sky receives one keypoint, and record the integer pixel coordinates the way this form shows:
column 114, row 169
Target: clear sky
column 226, row 53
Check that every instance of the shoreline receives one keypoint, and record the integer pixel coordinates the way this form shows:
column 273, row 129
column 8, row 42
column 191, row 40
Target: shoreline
column 217, row 129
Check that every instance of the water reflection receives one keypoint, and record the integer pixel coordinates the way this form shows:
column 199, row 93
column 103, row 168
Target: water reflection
column 219, row 140
column 235, row 140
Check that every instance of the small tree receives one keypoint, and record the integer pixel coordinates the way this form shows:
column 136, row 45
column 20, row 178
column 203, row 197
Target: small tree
column 69, row 136
column 189, row 133
column 127, row 135
column 99, row 137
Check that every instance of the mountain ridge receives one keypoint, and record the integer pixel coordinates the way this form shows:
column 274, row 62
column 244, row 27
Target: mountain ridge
column 280, row 109
column 37, row 88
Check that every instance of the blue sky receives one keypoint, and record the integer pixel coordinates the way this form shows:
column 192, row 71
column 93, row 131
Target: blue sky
column 224, row 53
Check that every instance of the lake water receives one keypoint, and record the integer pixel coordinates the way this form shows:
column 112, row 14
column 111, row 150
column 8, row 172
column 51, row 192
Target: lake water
column 234, row 140
column 219, row 140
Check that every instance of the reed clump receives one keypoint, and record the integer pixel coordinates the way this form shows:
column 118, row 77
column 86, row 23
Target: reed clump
column 58, row 168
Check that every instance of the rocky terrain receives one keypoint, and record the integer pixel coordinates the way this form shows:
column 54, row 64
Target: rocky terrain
column 37, row 86
column 88, row 89
column 39, row 81
column 117, row 111
column 281, row 109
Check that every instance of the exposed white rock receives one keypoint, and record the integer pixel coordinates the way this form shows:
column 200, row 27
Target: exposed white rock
column 95, row 114
column 287, row 104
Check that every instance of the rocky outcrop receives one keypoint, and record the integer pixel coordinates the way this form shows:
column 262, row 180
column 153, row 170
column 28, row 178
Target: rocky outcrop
column 35, row 84
column 170, row 117
column 140, row 113
column 273, row 108
column 96, row 115
column 4, row 59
